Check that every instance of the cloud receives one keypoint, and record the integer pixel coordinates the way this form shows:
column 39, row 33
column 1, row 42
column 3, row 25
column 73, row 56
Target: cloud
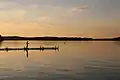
column 6, row 5
column 14, row 11
column 46, row 13
column 14, row 14
column 44, row 19
column 79, row 9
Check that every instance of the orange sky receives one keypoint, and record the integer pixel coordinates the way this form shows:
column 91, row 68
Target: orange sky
column 60, row 18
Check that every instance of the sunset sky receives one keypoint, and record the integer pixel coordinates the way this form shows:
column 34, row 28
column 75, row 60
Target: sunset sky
column 85, row 18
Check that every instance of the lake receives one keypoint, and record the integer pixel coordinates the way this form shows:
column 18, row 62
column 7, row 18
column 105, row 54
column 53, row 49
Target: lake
column 73, row 61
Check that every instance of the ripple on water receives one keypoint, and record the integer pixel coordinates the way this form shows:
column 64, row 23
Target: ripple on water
column 102, row 65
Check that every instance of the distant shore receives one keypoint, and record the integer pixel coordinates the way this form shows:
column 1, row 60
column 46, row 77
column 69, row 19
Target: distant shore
column 3, row 38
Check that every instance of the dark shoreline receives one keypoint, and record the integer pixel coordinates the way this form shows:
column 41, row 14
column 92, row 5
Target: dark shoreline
column 10, row 38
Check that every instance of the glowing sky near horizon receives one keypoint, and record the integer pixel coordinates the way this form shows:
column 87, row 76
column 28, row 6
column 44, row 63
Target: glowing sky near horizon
column 86, row 18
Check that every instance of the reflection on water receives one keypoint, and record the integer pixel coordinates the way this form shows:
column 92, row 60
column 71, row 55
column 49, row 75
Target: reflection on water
column 74, row 61
column 117, row 43
column 26, row 48
column 27, row 53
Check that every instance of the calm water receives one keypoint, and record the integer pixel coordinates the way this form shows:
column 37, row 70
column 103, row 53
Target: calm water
column 74, row 61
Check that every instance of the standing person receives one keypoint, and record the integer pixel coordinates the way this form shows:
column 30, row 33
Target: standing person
column 27, row 44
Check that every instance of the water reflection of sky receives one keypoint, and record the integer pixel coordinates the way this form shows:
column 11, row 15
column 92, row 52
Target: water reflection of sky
column 117, row 43
column 74, row 60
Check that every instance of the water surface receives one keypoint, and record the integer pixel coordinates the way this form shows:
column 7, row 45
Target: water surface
column 73, row 61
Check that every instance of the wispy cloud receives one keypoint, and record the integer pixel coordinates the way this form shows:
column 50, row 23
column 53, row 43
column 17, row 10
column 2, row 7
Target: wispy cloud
column 78, row 9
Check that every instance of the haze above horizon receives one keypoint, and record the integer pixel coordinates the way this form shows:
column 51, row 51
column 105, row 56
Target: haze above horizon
column 85, row 18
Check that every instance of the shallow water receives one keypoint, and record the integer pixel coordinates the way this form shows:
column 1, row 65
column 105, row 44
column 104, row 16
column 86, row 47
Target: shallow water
column 73, row 61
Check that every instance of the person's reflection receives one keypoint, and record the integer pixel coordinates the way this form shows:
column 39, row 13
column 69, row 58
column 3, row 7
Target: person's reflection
column 27, row 55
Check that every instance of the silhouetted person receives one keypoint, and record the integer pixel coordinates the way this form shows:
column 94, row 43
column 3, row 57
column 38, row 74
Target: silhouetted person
column 27, row 45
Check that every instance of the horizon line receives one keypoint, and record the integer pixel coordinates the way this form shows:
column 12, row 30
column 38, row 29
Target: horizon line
column 58, row 36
